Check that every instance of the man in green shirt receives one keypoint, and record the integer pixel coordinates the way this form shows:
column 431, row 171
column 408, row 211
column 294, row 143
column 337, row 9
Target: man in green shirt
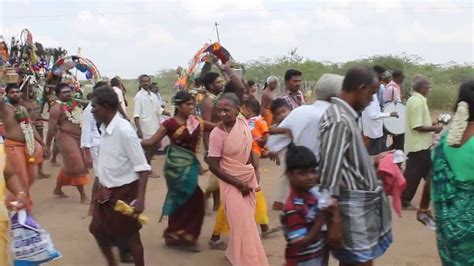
column 418, row 140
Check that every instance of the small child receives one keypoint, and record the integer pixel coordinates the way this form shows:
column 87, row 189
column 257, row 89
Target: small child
column 302, row 219
column 280, row 110
column 251, row 111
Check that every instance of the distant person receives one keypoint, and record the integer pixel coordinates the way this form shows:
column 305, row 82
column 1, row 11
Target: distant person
column 381, row 91
column 116, row 85
column 252, row 88
column 394, row 93
column 292, row 93
column 418, row 141
column 394, row 90
column 268, row 95
column 372, row 126
column 146, row 114
column 453, row 184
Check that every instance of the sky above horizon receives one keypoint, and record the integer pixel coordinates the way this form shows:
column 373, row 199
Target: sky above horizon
column 129, row 38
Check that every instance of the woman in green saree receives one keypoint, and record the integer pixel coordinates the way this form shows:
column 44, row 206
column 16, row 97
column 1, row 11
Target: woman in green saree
column 184, row 203
column 453, row 184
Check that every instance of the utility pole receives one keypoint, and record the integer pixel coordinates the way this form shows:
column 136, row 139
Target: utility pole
column 217, row 32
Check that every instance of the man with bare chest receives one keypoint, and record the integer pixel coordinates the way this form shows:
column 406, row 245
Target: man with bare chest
column 214, row 85
column 267, row 97
column 65, row 120
column 23, row 144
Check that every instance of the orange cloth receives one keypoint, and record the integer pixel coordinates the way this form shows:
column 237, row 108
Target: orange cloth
column 259, row 129
column 245, row 247
column 394, row 182
column 74, row 172
column 17, row 154
column 64, row 180
column 268, row 116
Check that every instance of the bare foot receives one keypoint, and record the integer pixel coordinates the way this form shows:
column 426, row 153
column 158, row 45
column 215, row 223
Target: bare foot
column 154, row 175
column 59, row 193
column 43, row 176
column 85, row 200
column 54, row 164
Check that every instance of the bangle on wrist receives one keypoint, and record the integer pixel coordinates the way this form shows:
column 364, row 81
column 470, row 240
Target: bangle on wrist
column 21, row 192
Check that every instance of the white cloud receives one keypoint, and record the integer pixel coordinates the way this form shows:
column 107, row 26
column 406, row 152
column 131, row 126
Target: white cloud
column 328, row 19
column 417, row 33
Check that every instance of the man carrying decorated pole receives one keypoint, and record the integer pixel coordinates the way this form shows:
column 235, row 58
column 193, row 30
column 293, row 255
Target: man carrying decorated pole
column 65, row 120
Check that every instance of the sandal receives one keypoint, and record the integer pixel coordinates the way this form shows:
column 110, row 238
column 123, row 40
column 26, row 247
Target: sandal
column 426, row 218
column 217, row 245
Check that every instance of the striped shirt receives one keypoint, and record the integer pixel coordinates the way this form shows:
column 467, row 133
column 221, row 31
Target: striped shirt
column 345, row 162
column 297, row 219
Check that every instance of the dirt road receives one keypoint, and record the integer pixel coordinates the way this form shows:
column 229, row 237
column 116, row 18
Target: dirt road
column 67, row 222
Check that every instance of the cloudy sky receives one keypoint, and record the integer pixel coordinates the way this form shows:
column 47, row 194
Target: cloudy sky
column 128, row 38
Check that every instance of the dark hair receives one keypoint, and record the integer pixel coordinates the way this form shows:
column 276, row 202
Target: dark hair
column 357, row 76
column 115, row 82
column 292, row 73
column 229, row 88
column 60, row 86
column 11, row 86
column 100, row 84
column 466, row 94
column 154, row 84
column 198, row 81
column 143, row 76
column 278, row 103
column 230, row 97
column 379, row 69
column 300, row 157
column 105, row 96
column 182, row 97
column 397, row 73
column 253, row 104
column 209, row 78
column 250, row 83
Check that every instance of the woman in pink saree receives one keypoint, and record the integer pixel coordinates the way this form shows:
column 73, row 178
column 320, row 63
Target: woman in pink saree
column 230, row 145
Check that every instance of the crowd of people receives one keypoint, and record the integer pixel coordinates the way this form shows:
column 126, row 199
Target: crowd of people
column 332, row 153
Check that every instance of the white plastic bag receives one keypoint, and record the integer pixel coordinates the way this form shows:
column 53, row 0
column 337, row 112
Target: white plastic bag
column 31, row 245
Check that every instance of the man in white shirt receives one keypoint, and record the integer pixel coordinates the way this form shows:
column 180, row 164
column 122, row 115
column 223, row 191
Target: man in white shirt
column 115, row 83
column 90, row 143
column 146, row 114
column 304, row 125
column 123, row 175
column 372, row 126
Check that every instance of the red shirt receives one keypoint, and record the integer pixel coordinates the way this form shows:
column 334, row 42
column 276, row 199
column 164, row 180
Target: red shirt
column 297, row 219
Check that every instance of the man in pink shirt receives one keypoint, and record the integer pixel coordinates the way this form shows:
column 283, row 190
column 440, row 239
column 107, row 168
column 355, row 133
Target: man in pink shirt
column 394, row 92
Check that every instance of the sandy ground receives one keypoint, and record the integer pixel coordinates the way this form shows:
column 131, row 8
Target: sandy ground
column 67, row 222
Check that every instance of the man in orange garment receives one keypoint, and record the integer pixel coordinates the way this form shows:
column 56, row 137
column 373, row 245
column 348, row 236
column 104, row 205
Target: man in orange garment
column 65, row 120
column 22, row 142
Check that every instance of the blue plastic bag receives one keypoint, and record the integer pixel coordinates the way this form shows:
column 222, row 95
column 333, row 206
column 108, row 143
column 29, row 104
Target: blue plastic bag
column 30, row 244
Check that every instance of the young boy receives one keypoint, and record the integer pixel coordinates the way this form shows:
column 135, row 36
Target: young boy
column 303, row 217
